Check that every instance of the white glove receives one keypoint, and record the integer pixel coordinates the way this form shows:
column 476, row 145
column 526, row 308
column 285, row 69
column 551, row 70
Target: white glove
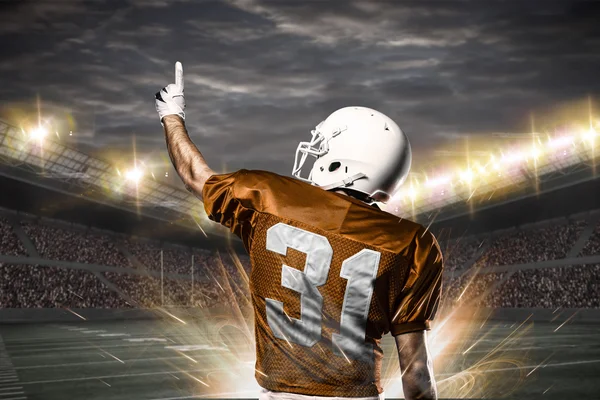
column 170, row 99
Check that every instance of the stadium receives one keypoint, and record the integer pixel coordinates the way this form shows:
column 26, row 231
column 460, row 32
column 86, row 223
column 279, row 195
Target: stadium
column 117, row 286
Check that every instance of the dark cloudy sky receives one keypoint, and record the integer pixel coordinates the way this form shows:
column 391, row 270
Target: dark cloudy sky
column 260, row 75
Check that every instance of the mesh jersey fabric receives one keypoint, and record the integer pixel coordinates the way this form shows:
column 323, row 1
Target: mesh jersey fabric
column 275, row 216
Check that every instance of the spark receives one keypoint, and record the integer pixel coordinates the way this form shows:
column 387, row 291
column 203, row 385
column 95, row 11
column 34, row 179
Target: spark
column 175, row 377
column 550, row 387
column 483, row 323
column 428, row 226
column 556, row 317
column 567, row 320
column 286, row 339
column 104, row 382
column 110, row 355
column 506, row 339
column 342, row 351
column 471, row 195
column 320, row 348
column 70, row 291
column 215, row 279
column 540, row 365
column 188, row 357
column 199, row 227
column 463, row 292
column 262, row 373
column 172, row 316
column 73, row 312
column 531, row 372
column 196, row 379
column 473, row 345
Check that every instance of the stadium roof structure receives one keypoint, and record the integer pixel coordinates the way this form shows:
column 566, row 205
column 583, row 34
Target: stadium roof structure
column 71, row 171
column 58, row 167
column 523, row 175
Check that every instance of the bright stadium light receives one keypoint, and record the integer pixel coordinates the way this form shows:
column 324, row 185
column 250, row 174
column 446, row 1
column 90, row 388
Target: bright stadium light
column 535, row 152
column 467, row 176
column 438, row 181
column 134, row 175
column 38, row 133
column 561, row 141
column 412, row 193
column 589, row 135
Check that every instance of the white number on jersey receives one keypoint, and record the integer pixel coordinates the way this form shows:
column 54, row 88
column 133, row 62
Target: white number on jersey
column 360, row 270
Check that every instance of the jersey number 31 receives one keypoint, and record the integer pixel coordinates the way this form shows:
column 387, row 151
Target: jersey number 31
column 360, row 270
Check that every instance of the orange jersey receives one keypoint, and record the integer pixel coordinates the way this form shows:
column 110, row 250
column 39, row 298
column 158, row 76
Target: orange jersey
column 330, row 276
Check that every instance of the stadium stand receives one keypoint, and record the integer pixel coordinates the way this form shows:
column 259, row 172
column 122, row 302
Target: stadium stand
column 57, row 243
column 565, row 287
column 592, row 246
column 458, row 253
column 471, row 287
column 9, row 243
column 533, row 245
column 33, row 286
column 30, row 286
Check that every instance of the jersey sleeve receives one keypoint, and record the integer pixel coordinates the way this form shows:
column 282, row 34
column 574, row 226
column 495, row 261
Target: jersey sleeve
column 231, row 200
column 421, row 293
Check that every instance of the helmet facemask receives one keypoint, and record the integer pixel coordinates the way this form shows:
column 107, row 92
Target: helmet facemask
column 317, row 147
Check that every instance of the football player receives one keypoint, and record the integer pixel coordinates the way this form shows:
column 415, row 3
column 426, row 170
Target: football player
column 331, row 272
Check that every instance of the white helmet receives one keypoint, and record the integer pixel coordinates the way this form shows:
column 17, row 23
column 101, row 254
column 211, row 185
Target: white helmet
column 357, row 148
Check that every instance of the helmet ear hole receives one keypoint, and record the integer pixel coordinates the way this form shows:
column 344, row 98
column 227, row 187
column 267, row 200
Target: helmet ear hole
column 334, row 166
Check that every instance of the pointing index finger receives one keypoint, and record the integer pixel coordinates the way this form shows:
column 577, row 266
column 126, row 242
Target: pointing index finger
column 179, row 75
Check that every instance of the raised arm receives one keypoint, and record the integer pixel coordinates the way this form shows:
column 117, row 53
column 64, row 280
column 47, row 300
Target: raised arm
column 416, row 366
column 185, row 156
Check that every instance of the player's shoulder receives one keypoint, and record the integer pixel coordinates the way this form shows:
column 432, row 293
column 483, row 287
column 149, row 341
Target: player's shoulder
column 258, row 179
column 268, row 184
column 266, row 191
column 414, row 237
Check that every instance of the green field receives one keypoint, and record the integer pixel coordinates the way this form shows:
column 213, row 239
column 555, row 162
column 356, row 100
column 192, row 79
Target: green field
column 171, row 360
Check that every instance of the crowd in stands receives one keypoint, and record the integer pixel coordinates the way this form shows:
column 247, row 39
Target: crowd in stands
column 29, row 286
column 10, row 244
column 470, row 287
column 458, row 253
column 533, row 245
column 57, row 243
column 565, row 287
column 592, row 246
column 146, row 291
column 219, row 279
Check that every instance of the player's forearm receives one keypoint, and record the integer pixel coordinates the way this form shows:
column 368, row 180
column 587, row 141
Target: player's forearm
column 185, row 156
column 416, row 365
column 418, row 381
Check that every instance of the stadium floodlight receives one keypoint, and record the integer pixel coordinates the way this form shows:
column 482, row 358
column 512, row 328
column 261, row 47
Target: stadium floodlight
column 412, row 193
column 134, row 175
column 438, row 181
column 535, row 152
column 589, row 135
column 560, row 142
column 38, row 133
column 467, row 176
